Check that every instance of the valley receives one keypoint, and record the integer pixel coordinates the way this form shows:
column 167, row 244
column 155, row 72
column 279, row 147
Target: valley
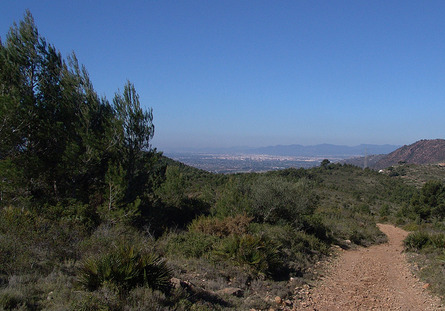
column 94, row 217
column 245, row 163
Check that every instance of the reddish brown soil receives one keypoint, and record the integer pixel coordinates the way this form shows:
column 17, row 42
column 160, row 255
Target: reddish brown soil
column 373, row 278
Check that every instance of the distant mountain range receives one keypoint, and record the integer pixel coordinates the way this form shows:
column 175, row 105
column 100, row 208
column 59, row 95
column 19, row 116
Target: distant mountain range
column 324, row 150
column 321, row 150
column 365, row 155
column 424, row 151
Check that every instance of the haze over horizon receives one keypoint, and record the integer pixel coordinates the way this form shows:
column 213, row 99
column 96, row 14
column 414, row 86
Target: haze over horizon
column 284, row 149
column 261, row 73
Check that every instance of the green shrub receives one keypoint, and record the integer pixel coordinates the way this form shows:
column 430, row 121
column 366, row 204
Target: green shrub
column 232, row 198
column 21, row 293
column 190, row 244
column 87, row 301
column 298, row 249
column 411, row 227
column 221, row 227
column 71, row 211
column 261, row 255
column 313, row 225
column 384, row 210
column 143, row 298
column 417, row 240
column 362, row 208
column 292, row 241
column 276, row 200
column 125, row 268
column 308, row 244
column 430, row 201
column 11, row 300
column 30, row 242
column 108, row 236
column 357, row 236
column 437, row 240
column 343, row 224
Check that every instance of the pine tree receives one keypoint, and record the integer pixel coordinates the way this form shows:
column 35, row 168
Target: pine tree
column 60, row 140
column 137, row 130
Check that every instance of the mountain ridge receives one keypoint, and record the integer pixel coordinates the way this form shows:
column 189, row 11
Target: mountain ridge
column 424, row 151
column 325, row 150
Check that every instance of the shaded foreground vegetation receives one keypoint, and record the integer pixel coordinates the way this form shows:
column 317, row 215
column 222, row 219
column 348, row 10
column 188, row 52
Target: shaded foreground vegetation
column 93, row 218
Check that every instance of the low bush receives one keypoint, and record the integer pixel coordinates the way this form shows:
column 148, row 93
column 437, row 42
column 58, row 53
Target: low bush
column 125, row 268
column 277, row 201
column 345, row 224
column 12, row 301
column 143, row 298
column 308, row 244
column 103, row 300
column 420, row 240
column 417, row 240
column 259, row 254
column 295, row 241
column 298, row 248
column 221, row 227
column 188, row 244
column 232, row 198
column 437, row 240
column 32, row 243
column 385, row 210
column 21, row 293
column 411, row 227
column 314, row 225
column 108, row 236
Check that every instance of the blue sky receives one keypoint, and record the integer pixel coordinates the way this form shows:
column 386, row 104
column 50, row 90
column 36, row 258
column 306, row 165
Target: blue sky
column 256, row 73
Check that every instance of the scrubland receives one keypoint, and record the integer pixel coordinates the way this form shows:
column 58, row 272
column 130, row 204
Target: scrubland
column 93, row 218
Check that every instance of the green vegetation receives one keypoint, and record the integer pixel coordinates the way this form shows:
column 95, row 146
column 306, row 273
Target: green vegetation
column 93, row 218
column 125, row 269
column 425, row 216
column 417, row 175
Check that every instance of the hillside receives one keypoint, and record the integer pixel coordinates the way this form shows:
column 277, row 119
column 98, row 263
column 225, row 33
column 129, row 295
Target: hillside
column 421, row 152
column 93, row 218
column 370, row 160
column 417, row 174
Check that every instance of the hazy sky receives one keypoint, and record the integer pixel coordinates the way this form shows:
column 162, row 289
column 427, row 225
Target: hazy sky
column 256, row 73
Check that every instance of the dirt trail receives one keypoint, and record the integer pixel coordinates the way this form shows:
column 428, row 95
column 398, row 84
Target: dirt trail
column 374, row 278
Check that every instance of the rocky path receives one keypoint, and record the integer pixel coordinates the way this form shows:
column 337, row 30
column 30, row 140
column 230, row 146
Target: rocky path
column 374, row 278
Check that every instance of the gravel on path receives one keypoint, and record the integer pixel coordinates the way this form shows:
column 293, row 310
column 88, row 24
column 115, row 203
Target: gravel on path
column 373, row 278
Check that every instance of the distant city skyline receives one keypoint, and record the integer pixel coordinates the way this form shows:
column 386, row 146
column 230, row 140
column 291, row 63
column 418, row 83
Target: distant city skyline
column 259, row 73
